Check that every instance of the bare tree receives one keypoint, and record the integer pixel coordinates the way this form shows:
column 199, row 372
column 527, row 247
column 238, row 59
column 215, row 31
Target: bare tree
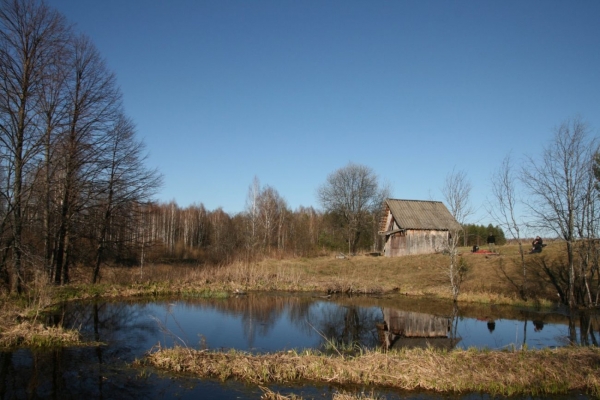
column 54, row 117
column 30, row 36
column 271, row 213
column 456, row 192
column 69, row 166
column 559, row 183
column 93, row 106
column 252, row 214
column 304, row 226
column 503, row 210
column 589, row 248
column 353, row 193
column 265, row 215
column 124, row 180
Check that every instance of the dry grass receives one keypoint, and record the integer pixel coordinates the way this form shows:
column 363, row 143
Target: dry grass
column 268, row 394
column 20, row 324
column 527, row 372
column 28, row 334
column 490, row 278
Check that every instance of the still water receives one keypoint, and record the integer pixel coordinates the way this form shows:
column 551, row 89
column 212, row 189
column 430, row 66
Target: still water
column 265, row 323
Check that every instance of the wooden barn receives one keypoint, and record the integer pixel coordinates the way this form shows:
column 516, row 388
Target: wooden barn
column 416, row 227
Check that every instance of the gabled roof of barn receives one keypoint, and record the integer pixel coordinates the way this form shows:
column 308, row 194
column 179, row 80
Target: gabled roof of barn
column 420, row 214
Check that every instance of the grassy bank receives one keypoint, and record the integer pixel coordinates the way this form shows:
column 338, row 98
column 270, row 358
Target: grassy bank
column 523, row 372
column 490, row 278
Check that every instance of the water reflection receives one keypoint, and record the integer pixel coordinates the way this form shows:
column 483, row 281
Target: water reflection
column 407, row 329
column 262, row 323
column 266, row 323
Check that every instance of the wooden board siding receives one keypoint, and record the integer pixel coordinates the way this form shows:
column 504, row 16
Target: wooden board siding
column 415, row 242
column 415, row 227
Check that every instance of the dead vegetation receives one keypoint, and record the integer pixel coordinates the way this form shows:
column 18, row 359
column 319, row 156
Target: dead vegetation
column 489, row 278
column 32, row 335
column 523, row 372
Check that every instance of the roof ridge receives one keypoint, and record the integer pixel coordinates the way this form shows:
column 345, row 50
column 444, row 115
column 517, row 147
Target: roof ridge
column 421, row 201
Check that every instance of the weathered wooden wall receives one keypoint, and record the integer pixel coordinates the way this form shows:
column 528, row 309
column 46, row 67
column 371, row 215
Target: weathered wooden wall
column 415, row 242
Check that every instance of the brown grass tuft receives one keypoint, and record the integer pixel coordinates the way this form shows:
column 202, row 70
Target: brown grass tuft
column 30, row 334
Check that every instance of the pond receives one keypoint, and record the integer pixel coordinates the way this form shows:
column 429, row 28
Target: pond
column 265, row 323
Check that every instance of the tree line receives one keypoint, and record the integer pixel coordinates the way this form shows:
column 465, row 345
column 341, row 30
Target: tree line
column 267, row 227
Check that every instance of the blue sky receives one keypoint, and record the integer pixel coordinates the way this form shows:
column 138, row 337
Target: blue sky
column 289, row 91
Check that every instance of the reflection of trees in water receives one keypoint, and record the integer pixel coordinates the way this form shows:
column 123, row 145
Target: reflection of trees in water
column 259, row 313
column 583, row 325
column 345, row 321
column 587, row 323
column 348, row 325
column 106, row 321
column 5, row 369
column 66, row 373
column 95, row 372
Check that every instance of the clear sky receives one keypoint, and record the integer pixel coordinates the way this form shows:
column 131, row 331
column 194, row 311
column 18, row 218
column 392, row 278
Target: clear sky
column 289, row 91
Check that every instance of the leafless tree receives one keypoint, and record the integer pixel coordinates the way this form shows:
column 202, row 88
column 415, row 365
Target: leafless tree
column 503, row 209
column 353, row 193
column 31, row 35
column 123, row 180
column 560, row 184
column 265, row 214
column 71, row 171
column 252, row 215
column 93, row 106
column 589, row 248
column 271, row 212
column 456, row 192
column 304, row 226
column 54, row 117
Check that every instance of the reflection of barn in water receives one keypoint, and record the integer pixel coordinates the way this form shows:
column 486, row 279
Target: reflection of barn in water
column 411, row 329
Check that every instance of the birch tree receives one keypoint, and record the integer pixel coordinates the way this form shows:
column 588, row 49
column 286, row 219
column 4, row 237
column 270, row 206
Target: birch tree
column 271, row 209
column 503, row 209
column 456, row 192
column 252, row 215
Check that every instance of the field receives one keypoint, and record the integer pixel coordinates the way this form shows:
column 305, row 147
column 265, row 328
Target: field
column 489, row 278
